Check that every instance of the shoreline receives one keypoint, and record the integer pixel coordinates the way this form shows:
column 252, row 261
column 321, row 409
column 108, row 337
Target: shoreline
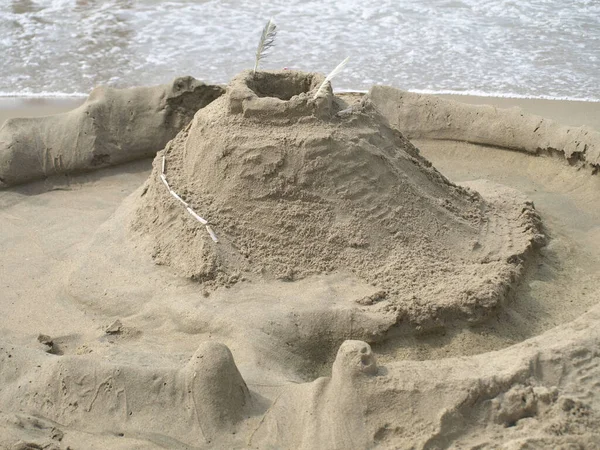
column 567, row 112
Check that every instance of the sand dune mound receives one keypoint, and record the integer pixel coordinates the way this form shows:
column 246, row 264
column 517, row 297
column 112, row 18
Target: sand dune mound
column 294, row 186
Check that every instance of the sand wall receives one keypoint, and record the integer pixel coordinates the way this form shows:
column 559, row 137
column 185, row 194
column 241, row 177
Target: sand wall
column 421, row 116
column 113, row 126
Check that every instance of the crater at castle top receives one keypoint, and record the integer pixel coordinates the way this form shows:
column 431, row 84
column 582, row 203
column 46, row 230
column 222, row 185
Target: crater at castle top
column 295, row 185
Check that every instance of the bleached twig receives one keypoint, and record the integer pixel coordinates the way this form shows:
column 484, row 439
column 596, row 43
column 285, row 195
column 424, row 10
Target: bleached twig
column 212, row 233
column 174, row 194
column 164, row 180
column 193, row 213
column 196, row 216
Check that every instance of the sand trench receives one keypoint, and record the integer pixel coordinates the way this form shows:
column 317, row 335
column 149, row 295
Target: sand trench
column 333, row 347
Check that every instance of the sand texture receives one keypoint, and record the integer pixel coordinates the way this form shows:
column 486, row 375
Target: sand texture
column 366, row 291
column 112, row 127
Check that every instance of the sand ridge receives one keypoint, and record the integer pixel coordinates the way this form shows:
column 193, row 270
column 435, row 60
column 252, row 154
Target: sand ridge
column 430, row 117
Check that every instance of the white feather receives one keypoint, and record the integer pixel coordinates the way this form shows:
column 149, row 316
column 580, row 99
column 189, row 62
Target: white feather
column 267, row 40
column 329, row 77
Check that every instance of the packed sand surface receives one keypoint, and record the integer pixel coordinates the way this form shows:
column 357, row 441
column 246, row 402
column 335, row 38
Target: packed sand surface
column 112, row 127
column 356, row 298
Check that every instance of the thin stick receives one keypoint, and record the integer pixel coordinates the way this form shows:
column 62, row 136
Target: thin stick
column 212, row 233
column 174, row 194
column 193, row 213
column 196, row 216
column 164, row 180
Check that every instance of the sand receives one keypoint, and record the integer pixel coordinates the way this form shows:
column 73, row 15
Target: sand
column 436, row 118
column 291, row 372
column 14, row 107
column 349, row 194
column 113, row 126
column 573, row 113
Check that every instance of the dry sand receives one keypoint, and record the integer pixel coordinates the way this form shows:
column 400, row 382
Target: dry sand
column 315, row 188
column 525, row 377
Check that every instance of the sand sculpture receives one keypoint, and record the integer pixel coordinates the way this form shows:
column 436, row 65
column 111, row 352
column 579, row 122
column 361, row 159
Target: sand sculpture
column 113, row 126
column 208, row 391
column 295, row 186
column 532, row 395
column 334, row 234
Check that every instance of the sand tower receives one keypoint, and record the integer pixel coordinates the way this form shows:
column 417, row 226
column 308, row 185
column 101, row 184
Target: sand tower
column 294, row 184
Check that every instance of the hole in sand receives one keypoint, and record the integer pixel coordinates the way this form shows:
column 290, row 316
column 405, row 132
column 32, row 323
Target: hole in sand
column 282, row 85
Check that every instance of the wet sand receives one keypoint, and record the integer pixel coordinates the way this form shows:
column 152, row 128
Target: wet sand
column 565, row 112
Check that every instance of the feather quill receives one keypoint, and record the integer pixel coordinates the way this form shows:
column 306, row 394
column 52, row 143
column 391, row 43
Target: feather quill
column 267, row 40
column 329, row 77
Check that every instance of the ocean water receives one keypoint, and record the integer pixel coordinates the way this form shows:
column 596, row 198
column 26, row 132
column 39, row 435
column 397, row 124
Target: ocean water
column 536, row 48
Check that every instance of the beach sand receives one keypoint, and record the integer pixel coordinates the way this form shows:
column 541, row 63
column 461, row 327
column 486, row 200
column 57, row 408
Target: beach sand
column 429, row 391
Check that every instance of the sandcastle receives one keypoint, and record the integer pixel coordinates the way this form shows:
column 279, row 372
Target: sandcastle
column 302, row 232
column 295, row 185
